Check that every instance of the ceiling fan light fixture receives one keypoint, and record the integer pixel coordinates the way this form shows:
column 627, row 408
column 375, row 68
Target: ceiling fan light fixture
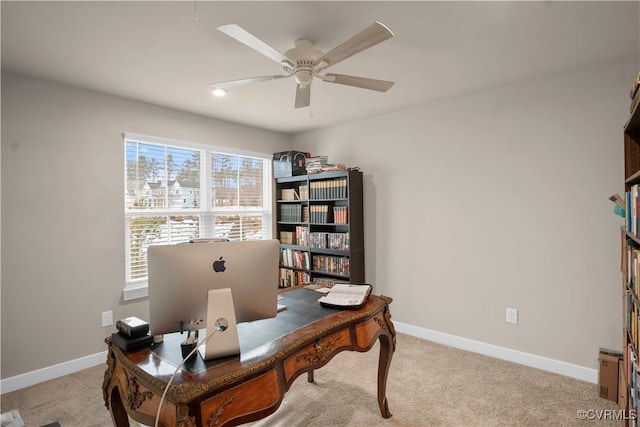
column 304, row 77
column 218, row 92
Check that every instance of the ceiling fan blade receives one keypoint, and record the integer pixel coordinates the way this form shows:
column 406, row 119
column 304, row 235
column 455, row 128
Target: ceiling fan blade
column 363, row 82
column 243, row 36
column 370, row 36
column 231, row 83
column 303, row 96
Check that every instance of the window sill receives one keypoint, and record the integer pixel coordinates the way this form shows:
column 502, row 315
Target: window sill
column 137, row 292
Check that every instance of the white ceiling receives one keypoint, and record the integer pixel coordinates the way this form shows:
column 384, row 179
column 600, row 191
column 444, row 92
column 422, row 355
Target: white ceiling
column 158, row 53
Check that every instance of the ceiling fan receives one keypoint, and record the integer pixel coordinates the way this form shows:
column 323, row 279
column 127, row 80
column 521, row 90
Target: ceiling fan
column 305, row 61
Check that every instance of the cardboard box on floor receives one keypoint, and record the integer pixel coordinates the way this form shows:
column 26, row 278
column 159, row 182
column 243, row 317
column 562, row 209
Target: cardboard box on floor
column 608, row 374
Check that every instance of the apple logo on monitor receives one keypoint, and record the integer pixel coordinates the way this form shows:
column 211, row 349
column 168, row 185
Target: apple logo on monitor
column 218, row 265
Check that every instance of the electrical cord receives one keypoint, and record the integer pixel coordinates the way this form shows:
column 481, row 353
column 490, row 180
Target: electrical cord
column 221, row 325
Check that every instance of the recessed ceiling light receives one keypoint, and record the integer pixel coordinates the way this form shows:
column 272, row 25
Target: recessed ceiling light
column 218, row 91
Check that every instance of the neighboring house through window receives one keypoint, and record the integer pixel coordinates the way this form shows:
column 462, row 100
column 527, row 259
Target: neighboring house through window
column 176, row 191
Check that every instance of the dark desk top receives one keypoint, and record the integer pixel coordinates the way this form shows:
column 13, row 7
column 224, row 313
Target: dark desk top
column 302, row 309
column 262, row 342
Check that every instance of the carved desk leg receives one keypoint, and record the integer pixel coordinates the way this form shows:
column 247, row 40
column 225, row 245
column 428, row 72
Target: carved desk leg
column 111, row 392
column 118, row 413
column 383, row 370
column 387, row 347
column 310, row 376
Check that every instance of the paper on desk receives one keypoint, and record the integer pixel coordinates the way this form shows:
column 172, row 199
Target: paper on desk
column 346, row 295
column 323, row 290
column 342, row 300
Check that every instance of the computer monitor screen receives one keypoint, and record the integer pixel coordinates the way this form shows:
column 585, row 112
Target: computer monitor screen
column 181, row 275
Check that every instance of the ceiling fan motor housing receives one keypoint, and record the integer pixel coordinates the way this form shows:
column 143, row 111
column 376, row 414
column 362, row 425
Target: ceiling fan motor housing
column 303, row 58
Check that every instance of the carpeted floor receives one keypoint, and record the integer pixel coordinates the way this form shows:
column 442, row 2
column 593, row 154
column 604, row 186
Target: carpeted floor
column 429, row 385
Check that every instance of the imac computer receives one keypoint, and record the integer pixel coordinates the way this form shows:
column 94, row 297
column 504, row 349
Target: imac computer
column 186, row 281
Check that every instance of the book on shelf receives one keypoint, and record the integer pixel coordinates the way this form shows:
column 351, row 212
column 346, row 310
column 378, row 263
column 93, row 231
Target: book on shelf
column 323, row 166
column 345, row 295
column 314, row 164
column 334, row 167
column 302, row 235
column 290, row 213
column 328, row 189
column 340, row 215
column 322, row 282
column 304, row 192
column 631, row 265
column 325, row 281
column 623, row 250
column 319, row 214
column 289, row 278
column 331, row 264
column 632, row 202
column 289, row 194
column 286, row 237
column 294, row 259
column 338, row 241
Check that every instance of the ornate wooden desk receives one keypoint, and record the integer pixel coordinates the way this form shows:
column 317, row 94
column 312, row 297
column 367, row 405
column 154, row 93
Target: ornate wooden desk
column 236, row 390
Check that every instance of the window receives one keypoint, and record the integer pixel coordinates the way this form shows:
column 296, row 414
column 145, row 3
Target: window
column 175, row 192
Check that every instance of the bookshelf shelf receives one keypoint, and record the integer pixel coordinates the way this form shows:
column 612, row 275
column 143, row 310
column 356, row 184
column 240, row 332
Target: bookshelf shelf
column 319, row 222
column 633, row 179
column 629, row 384
column 329, row 251
column 633, row 237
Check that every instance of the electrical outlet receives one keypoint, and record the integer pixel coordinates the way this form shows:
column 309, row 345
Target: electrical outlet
column 107, row 318
column 512, row 315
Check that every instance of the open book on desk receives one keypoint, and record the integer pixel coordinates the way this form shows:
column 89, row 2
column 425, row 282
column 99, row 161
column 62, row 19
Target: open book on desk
column 344, row 295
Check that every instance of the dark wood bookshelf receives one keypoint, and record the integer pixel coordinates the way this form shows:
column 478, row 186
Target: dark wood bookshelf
column 629, row 384
column 340, row 189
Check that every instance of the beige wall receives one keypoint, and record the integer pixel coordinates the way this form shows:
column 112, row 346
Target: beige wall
column 498, row 199
column 472, row 204
column 62, row 219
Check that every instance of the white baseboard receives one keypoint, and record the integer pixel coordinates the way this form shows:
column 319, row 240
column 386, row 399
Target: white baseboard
column 45, row 374
column 527, row 359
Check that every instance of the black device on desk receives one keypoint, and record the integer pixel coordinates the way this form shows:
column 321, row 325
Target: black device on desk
column 132, row 327
column 133, row 333
column 127, row 343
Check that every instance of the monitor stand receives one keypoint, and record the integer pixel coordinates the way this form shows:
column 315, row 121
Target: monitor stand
column 222, row 318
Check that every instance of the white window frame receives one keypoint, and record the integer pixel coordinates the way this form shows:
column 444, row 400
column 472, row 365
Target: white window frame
column 134, row 289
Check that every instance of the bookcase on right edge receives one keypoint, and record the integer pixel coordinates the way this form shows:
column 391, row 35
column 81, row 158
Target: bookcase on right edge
column 629, row 378
column 320, row 228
